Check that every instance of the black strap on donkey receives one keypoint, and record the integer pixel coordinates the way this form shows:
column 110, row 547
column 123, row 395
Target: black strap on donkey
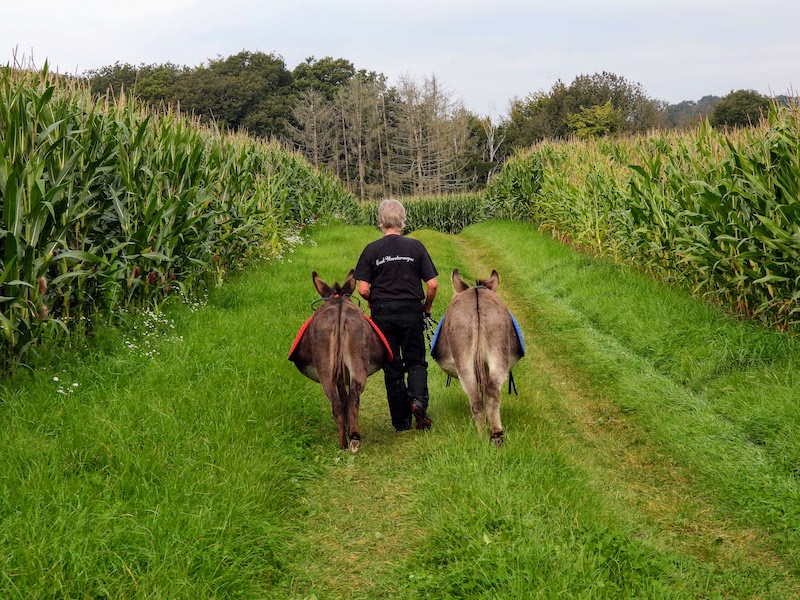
column 511, row 384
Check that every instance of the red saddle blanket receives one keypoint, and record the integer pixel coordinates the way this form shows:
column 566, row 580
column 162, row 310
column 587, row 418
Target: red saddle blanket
column 371, row 322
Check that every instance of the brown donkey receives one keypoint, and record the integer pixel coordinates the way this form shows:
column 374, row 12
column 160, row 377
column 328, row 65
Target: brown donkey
column 478, row 343
column 340, row 347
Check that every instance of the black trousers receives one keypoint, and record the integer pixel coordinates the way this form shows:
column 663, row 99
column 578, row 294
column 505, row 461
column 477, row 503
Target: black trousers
column 406, row 377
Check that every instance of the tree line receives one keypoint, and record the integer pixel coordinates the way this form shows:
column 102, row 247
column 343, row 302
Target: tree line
column 413, row 137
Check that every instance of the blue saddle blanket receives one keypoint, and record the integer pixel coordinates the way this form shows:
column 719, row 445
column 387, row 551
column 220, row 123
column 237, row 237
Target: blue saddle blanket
column 439, row 329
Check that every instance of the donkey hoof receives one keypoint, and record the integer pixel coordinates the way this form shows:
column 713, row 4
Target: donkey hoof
column 355, row 446
column 497, row 439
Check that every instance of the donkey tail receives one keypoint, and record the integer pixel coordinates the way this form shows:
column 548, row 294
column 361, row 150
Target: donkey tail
column 339, row 368
column 481, row 369
column 480, row 364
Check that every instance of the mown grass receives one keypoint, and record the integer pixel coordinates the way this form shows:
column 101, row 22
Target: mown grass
column 210, row 469
column 721, row 396
column 546, row 516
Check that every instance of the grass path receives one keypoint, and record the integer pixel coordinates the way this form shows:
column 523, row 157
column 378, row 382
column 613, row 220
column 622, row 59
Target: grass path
column 628, row 460
column 358, row 532
column 356, row 527
column 651, row 451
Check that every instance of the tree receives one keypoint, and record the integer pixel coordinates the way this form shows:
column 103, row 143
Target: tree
column 739, row 109
column 639, row 112
column 431, row 139
column 484, row 150
column 547, row 114
column 153, row 84
column 113, row 79
column 595, row 121
column 159, row 83
column 360, row 124
column 326, row 75
column 313, row 119
column 688, row 113
column 540, row 115
column 249, row 90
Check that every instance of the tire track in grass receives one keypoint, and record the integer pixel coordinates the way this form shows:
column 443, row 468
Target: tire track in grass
column 627, row 462
column 353, row 525
column 357, row 526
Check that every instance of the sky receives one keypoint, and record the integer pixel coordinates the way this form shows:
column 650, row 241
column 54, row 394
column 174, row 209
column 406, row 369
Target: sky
column 485, row 52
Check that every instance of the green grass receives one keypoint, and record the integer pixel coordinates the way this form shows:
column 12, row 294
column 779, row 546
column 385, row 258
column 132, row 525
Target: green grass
column 722, row 394
column 649, row 453
column 163, row 475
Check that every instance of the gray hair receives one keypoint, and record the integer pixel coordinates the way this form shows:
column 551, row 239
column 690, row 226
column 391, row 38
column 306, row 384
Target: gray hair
column 391, row 215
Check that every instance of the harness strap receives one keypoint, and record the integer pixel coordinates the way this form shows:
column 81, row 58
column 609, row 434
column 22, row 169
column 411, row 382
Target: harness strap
column 369, row 320
column 319, row 301
column 511, row 383
column 380, row 335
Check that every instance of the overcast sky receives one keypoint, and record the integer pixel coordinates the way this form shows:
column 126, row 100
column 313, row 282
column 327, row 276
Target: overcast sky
column 487, row 52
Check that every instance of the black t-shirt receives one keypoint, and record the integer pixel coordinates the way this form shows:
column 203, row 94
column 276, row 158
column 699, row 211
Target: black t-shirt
column 395, row 267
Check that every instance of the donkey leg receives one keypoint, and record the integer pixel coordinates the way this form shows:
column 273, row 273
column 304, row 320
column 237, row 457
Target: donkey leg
column 332, row 392
column 353, row 402
column 493, row 389
column 344, row 395
column 495, row 426
column 470, row 384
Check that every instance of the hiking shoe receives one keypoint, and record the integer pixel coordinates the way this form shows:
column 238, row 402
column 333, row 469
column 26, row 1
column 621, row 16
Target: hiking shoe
column 423, row 420
column 405, row 426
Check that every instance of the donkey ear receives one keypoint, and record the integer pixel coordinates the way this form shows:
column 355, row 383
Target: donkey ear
column 323, row 289
column 349, row 285
column 459, row 285
column 493, row 281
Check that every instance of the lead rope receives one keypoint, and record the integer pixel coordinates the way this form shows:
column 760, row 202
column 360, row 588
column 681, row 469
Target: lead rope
column 429, row 324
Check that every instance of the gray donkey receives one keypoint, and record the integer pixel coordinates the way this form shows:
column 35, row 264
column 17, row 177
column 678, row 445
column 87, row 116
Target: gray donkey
column 478, row 342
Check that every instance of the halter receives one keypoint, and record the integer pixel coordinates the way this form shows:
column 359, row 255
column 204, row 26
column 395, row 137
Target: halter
column 315, row 304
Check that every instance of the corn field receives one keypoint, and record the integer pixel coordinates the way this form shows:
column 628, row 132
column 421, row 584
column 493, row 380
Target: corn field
column 448, row 214
column 107, row 207
column 718, row 212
